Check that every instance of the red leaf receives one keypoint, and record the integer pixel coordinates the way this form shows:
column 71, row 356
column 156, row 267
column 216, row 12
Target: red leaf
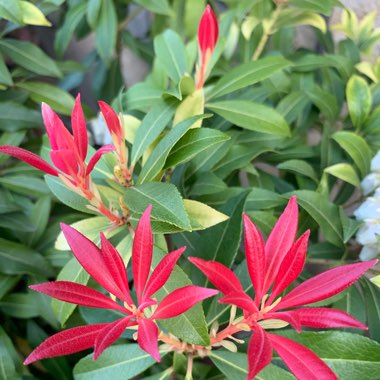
column 112, row 120
column 97, row 155
column 324, row 285
column 147, row 337
column 302, row 362
column 291, row 266
column 286, row 316
column 66, row 161
column 181, row 300
column 323, row 317
column 66, row 342
column 219, row 275
column 78, row 294
column 162, row 272
column 254, row 251
column 142, row 252
column 259, row 352
column 78, row 124
column 280, row 241
column 91, row 259
column 208, row 30
column 28, row 157
column 240, row 299
column 116, row 266
column 109, row 334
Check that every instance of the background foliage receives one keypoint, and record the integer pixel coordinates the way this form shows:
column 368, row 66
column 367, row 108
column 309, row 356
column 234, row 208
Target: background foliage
column 280, row 120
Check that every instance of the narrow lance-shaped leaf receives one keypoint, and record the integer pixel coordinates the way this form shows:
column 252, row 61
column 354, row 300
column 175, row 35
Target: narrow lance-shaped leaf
column 142, row 252
column 254, row 250
column 147, row 337
column 240, row 299
column 324, row 285
column 181, row 300
column 98, row 155
column 301, row 361
column 66, row 342
column 78, row 294
column 79, row 128
column 259, row 352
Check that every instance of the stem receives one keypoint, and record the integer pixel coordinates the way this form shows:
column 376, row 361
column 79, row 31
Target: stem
column 189, row 371
column 266, row 33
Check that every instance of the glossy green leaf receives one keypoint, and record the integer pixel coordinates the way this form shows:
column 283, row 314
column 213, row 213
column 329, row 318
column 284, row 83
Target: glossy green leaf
column 293, row 17
column 171, row 54
column 192, row 143
column 344, row 172
column 92, row 12
column 248, row 74
column 359, row 100
column 325, row 101
column 156, row 161
column 7, row 365
column 120, row 362
column 142, row 96
column 371, row 295
column 357, row 148
column 259, row 199
column 60, row 100
column 160, row 7
column 14, row 116
column 5, row 75
column 11, row 10
column 252, row 116
column 324, row 6
column 207, row 183
column 29, row 56
column 7, row 283
column 26, row 185
column 20, row 305
column 299, row 167
column 150, row 128
column 292, row 105
column 166, row 201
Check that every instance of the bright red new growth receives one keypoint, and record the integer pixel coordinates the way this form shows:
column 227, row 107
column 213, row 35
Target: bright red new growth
column 272, row 267
column 107, row 267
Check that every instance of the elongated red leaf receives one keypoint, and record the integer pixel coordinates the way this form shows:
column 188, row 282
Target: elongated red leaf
column 147, row 338
column 181, row 300
column 259, row 352
column 112, row 120
column 240, row 299
column 142, row 253
column 219, row 275
column 28, row 157
column 324, row 285
column 66, row 161
column 280, row 241
column 286, row 316
column 66, row 342
column 302, row 362
column 78, row 294
column 78, row 124
column 292, row 265
column 109, row 334
column 323, row 317
column 162, row 272
column 116, row 266
column 255, row 254
column 97, row 156
column 91, row 259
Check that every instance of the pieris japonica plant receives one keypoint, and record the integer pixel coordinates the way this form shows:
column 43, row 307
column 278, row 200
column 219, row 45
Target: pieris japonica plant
column 212, row 236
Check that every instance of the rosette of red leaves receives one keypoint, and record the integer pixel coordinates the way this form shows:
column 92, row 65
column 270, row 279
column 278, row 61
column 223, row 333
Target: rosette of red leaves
column 106, row 266
column 273, row 267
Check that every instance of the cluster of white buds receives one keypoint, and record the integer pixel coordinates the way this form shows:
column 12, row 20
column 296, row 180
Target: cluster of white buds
column 369, row 213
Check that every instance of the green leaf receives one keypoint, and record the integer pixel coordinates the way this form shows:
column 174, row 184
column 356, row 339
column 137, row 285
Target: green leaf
column 325, row 213
column 60, row 100
column 7, row 283
column 141, row 96
column 171, row 54
column 192, row 143
column 350, row 356
column 121, row 362
column 293, row 17
column 17, row 222
column 166, row 201
column 65, row 33
column 359, row 100
column 11, row 10
column 357, row 148
column 106, row 31
column 160, row 7
column 207, row 183
column 372, row 300
column 7, row 365
column 299, row 167
column 156, row 161
column 5, row 75
column 150, row 128
column 202, row 216
column 20, row 305
column 30, row 57
column 19, row 259
column 350, row 226
column 31, row 15
column 325, row 6
column 325, row 101
column 190, row 326
column 261, row 199
column 92, row 13
column 234, row 366
column 345, row 172
column 14, row 138
column 252, row 116
column 248, row 74
column 25, row 185
column 292, row 105
column 14, row 116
